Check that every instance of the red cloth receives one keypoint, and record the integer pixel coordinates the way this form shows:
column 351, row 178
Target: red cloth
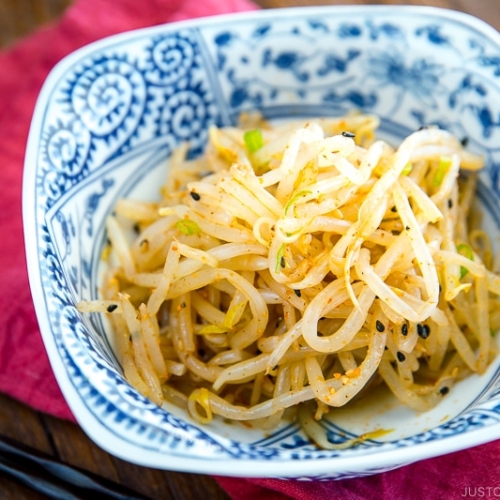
column 25, row 372
column 472, row 473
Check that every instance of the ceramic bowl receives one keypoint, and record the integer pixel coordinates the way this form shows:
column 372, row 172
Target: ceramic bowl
column 106, row 121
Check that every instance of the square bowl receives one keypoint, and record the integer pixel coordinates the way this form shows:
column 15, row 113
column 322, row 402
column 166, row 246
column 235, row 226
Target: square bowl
column 106, row 122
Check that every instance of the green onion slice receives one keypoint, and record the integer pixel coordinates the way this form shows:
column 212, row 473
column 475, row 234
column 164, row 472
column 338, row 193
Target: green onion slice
column 188, row 227
column 443, row 166
column 253, row 140
column 466, row 251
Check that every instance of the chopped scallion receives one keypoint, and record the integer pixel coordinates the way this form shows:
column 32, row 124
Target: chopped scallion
column 443, row 166
column 253, row 140
column 188, row 227
column 466, row 251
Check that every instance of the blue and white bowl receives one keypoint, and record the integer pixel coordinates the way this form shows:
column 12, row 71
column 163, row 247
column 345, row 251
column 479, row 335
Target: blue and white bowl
column 107, row 120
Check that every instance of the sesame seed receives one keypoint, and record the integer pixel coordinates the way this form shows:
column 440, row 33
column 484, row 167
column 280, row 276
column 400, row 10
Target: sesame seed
column 348, row 134
column 404, row 329
column 450, row 203
column 444, row 390
column 111, row 308
column 423, row 331
column 401, row 356
column 195, row 196
column 379, row 326
column 298, row 293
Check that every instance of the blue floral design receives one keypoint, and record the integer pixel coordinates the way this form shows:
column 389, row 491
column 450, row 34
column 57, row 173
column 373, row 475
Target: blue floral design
column 433, row 33
column 420, row 78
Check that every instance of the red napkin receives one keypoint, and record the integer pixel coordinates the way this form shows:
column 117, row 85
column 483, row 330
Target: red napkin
column 473, row 473
column 25, row 372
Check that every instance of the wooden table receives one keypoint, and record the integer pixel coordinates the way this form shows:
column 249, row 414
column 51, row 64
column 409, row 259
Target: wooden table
column 65, row 441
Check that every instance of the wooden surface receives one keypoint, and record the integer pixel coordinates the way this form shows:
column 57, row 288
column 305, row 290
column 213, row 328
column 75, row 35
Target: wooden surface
column 63, row 440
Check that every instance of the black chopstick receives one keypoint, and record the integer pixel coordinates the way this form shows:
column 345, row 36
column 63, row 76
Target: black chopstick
column 55, row 479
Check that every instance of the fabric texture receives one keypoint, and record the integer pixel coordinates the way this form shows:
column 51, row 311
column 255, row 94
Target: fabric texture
column 472, row 473
column 25, row 373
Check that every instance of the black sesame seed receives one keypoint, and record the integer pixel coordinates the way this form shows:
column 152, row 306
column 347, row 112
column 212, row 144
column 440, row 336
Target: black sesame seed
column 379, row 326
column 464, row 141
column 111, row 308
column 282, row 262
column 427, row 330
column 401, row 356
column 407, row 228
column 298, row 293
column 450, row 203
column 444, row 390
column 195, row 196
column 404, row 329
column 348, row 134
column 423, row 331
column 420, row 329
column 394, row 209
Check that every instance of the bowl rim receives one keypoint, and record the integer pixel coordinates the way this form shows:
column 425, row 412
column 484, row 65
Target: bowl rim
column 381, row 460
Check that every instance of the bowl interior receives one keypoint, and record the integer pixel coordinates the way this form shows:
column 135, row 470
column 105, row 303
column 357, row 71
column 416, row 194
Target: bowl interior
column 106, row 123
